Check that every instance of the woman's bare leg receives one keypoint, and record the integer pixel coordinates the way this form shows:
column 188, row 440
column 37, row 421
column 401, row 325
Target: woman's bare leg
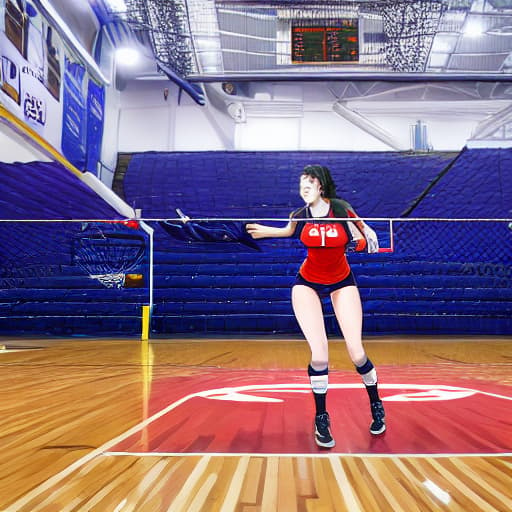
column 308, row 311
column 347, row 307
column 349, row 313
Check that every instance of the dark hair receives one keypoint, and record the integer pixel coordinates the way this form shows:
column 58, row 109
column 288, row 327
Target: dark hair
column 324, row 177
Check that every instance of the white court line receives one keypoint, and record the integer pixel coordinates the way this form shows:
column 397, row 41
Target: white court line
column 311, row 455
column 103, row 449
column 55, row 479
column 11, row 350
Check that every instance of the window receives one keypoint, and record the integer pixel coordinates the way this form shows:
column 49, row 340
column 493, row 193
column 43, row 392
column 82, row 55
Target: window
column 334, row 42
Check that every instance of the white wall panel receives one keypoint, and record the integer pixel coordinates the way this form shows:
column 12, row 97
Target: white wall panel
column 286, row 117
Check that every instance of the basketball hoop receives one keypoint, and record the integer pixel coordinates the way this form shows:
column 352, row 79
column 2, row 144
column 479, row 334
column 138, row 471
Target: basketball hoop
column 115, row 280
column 107, row 251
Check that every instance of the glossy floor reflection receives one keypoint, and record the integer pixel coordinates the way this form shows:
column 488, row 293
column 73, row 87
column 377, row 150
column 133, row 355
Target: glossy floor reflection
column 207, row 425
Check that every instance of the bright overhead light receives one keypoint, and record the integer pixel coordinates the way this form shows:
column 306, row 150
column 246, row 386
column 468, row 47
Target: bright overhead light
column 473, row 29
column 127, row 56
column 116, row 5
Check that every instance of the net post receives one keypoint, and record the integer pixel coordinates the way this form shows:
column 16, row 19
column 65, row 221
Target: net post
column 145, row 323
column 391, row 236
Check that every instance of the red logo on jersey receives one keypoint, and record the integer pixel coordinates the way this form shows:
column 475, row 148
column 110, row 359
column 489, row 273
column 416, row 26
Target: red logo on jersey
column 323, row 235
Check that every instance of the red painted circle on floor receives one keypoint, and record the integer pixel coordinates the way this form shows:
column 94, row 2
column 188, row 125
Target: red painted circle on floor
column 220, row 411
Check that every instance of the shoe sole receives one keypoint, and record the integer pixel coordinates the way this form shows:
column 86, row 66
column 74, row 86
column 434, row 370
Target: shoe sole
column 380, row 431
column 330, row 444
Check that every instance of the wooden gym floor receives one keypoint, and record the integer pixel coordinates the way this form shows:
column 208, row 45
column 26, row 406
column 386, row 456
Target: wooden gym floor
column 226, row 425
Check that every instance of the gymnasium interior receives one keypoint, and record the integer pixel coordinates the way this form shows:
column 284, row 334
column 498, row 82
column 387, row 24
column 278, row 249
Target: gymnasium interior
column 149, row 352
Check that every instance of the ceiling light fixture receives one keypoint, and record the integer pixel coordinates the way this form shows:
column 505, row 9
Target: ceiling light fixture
column 127, row 56
column 117, row 6
column 473, row 29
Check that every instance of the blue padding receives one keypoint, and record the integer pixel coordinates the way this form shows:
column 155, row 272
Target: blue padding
column 433, row 273
column 186, row 294
column 68, row 325
column 214, row 281
column 45, row 273
column 227, row 307
column 478, row 185
column 44, row 190
column 266, row 183
column 75, row 309
column 439, row 307
column 450, row 278
column 80, row 295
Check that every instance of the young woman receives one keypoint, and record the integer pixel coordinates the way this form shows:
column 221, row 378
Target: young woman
column 326, row 272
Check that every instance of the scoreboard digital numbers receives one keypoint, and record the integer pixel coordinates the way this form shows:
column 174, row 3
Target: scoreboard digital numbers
column 334, row 42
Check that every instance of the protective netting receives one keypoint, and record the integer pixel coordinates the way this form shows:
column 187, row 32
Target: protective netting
column 167, row 24
column 369, row 35
column 73, row 277
column 471, row 240
column 410, row 28
column 28, row 251
column 433, row 276
column 39, row 250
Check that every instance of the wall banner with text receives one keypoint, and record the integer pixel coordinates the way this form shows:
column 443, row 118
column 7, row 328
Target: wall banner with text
column 44, row 85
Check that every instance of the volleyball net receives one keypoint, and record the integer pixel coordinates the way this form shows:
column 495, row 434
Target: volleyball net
column 207, row 275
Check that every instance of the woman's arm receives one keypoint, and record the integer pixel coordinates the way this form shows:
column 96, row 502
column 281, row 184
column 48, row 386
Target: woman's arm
column 371, row 241
column 261, row 231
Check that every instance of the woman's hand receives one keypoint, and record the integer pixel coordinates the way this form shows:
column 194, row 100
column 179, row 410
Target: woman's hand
column 256, row 230
column 371, row 239
column 261, row 231
column 184, row 218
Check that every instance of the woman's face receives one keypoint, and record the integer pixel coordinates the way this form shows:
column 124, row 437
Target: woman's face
column 310, row 189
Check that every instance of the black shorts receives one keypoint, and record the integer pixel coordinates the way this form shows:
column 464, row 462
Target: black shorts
column 324, row 290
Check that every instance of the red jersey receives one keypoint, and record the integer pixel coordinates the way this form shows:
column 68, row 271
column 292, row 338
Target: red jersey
column 326, row 261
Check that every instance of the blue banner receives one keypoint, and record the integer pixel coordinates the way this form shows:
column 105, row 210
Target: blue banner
column 74, row 123
column 30, row 69
column 95, row 112
column 46, row 85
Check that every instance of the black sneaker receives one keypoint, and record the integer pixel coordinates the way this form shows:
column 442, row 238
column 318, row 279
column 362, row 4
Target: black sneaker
column 323, row 435
column 378, row 425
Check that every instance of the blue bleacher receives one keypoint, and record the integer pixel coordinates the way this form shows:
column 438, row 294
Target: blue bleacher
column 43, row 289
column 440, row 279
column 451, row 278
